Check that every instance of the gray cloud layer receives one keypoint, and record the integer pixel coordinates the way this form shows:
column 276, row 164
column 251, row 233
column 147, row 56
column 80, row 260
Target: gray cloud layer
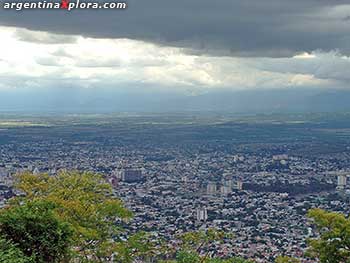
column 269, row 28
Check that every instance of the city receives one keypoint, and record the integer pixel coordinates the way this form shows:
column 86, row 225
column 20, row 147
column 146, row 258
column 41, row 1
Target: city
column 260, row 191
column 187, row 131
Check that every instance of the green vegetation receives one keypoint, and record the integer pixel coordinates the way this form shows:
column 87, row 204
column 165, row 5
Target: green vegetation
column 285, row 259
column 37, row 231
column 333, row 245
column 195, row 248
column 74, row 217
column 85, row 202
column 11, row 254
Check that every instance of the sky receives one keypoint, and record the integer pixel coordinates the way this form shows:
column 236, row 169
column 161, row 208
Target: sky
column 185, row 48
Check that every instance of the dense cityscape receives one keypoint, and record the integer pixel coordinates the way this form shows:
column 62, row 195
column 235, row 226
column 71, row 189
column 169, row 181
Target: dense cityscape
column 187, row 131
column 260, row 191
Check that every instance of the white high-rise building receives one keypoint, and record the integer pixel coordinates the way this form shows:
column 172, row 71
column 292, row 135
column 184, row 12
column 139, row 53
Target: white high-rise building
column 131, row 175
column 342, row 180
column 202, row 214
column 239, row 185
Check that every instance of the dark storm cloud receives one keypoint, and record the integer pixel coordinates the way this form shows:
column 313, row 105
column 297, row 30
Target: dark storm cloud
column 270, row 28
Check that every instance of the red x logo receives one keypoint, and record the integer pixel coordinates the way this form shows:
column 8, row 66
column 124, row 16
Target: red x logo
column 64, row 4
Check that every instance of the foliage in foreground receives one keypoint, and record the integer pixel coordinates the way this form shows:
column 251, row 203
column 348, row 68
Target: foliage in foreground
column 83, row 204
column 37, row 231
column 11, row 254
column 333, row 245
column 286, row 259
column 74, row 217
column 196, row 247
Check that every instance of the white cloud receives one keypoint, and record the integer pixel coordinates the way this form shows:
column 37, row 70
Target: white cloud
column 305, row 55
column 43, row 37
column 87, row 62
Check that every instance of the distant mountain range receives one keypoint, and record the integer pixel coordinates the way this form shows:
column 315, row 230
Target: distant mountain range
column 108, row 100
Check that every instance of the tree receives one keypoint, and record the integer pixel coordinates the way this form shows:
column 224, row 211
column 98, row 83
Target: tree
column 86, row 202
column 9, row 253
column 139, row 245
column 183, row 256
column 286, row 259
column 36, row 231
column 333, row 243
column 198, row 247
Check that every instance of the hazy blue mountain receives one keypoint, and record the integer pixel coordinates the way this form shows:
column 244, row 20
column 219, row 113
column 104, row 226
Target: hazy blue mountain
column 109, row 100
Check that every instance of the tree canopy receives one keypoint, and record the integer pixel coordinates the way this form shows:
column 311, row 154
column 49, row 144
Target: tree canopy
column 37, row 231
column 195, row 247
column 286, row 259
column 9, row 253
column 333, row 244
column 82, row 200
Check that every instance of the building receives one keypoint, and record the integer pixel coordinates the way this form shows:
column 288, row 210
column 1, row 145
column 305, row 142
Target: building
column 225, row 190
column 202, row 214
column 131, row 175
column 3, row 172
column 280, row 157
column 227, row 182
column 237, row 158
column 239, row 185
column 211, row 188
column 341, row 183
